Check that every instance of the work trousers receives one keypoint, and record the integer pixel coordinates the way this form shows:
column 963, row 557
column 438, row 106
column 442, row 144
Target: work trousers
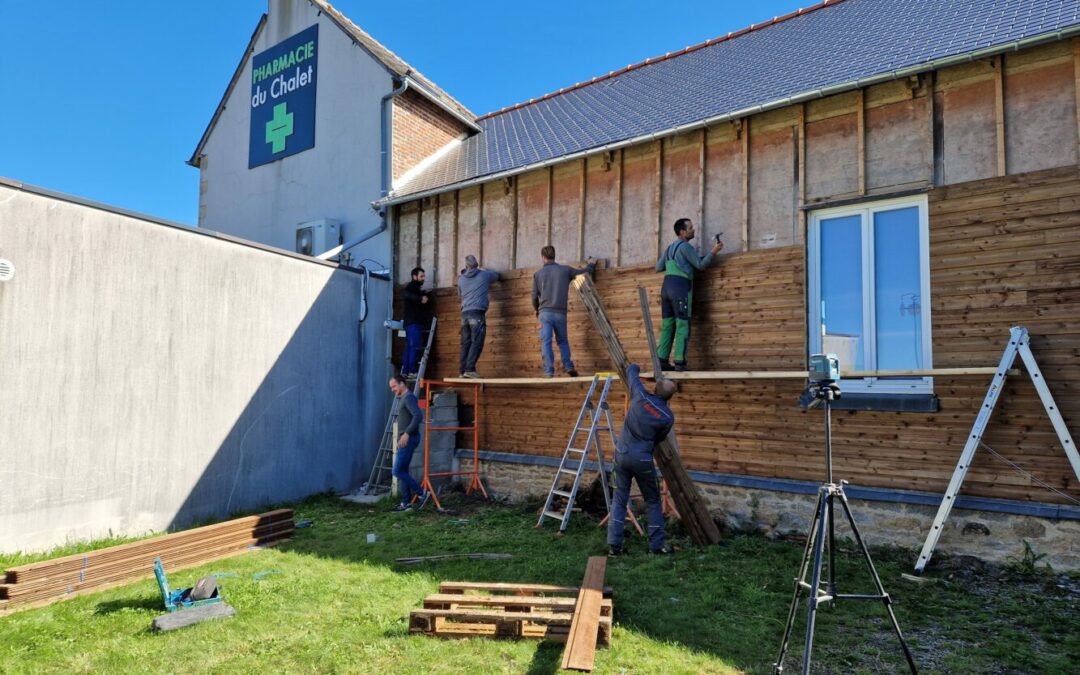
column 407, row 485
column 554, row 324
column 676, row 297
column 414, row 348
column 637, row 466
column 473, row 332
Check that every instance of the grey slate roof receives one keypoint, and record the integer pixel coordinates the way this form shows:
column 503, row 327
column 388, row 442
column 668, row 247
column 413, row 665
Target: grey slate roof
column 833, row 44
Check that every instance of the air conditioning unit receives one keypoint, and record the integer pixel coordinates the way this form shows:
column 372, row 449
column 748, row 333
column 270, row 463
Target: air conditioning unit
column 317, row 236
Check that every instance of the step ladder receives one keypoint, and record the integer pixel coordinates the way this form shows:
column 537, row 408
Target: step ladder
column 597, row 419
column 1019, row 343
column 382, row 470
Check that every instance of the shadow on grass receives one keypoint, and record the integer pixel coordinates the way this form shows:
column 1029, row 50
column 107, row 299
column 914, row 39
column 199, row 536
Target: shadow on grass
column 142, row 603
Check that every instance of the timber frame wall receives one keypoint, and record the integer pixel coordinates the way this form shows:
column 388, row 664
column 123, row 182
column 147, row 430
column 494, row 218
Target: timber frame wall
column 994, row 145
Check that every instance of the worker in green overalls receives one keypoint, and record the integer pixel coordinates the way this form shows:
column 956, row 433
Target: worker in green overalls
column 678, row 263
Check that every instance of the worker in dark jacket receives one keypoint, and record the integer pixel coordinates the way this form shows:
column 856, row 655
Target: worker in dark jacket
column 648, row 421
column 678, row 263
column 417, row 318
column 410, row 418
column 551, row 285
column 473, row 285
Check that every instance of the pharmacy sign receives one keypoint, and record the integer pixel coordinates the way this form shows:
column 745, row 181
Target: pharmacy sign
column 283, row 98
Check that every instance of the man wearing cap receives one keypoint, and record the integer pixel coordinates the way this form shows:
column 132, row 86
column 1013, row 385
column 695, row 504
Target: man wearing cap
column 551, row 286
column 677, row 293
column 473, row 285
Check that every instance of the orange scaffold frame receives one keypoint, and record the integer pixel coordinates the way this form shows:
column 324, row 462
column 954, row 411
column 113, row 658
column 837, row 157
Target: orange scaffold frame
column 474, row 482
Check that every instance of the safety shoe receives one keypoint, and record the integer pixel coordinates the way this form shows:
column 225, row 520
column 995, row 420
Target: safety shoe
column 667, row 550
column 571, row 373
column 665, row 365
column 613, row 551
column 472, row 375
column 681, row 367
column 424, row 497
column 549, row 374
column 402, row 507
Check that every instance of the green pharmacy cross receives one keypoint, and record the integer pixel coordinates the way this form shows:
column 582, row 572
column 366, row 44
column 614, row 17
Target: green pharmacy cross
column 279, row 128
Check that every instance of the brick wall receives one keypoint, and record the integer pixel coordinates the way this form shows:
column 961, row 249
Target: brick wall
column 420, row 128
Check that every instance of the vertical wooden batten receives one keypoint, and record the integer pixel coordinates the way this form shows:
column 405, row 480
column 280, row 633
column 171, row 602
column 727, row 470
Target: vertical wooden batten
column 702, row 158
column 1076, row 90
column 618, row 210
column 457, row 226
column 744, row 133
column 480, row 225
column 581, row 209
column 860, row 116
column 419, row 232
column 801, row 170
column 513, row 221
column 658, row 195
column 999, row 111
column 435, row 245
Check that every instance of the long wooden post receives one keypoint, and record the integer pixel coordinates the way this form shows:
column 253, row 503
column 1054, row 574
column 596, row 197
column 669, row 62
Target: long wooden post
column 695, row 513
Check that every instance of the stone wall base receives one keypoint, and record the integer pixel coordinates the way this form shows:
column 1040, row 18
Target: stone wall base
column 994, row 537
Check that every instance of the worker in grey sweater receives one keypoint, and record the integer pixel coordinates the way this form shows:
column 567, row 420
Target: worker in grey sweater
column 551, row 285
column 473, row 285
column 410, row 419
column 678, row 264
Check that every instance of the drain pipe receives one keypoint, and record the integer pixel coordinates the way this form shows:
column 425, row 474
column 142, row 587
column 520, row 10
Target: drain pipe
column 387, row 159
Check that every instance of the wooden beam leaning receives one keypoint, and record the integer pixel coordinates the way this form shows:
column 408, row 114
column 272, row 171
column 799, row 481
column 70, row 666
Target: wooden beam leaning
column 580, row 648
column 695, row 513
column 999, row 112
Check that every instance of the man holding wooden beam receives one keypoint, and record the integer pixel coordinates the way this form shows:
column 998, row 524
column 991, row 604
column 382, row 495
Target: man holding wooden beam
column 678, row 263
column 648, row 422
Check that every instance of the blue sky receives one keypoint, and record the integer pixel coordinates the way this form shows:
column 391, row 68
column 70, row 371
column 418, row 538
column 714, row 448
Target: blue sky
column 106, row 100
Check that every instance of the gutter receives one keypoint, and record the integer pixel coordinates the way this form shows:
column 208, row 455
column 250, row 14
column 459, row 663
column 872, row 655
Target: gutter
column 1015, row 45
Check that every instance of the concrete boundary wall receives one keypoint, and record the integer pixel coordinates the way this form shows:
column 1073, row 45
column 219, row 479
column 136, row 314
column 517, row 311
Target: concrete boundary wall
column 154, row 377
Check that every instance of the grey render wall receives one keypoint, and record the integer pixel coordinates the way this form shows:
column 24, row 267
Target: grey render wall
column 338, row 178
column 154, row 376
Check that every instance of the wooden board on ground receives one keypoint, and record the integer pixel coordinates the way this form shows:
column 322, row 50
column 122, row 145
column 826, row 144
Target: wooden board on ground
column 505, row 610
column 581, row 643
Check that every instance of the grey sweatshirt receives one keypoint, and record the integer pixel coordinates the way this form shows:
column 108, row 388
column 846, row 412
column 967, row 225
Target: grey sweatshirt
column 551, row 283
column 473, row 288
column 685, row 256
column 411, row 414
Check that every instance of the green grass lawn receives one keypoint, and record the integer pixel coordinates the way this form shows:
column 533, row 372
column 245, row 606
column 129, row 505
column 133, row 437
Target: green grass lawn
column 329, row 602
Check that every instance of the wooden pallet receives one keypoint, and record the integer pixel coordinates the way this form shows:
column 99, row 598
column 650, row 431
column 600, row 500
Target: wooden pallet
column 502, row 610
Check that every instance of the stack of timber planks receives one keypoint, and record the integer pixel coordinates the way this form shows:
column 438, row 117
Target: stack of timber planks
column 695, row 513
column 506, row 610
column 48, row 581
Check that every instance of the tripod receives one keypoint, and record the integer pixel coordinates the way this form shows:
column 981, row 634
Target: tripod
column 821, row 531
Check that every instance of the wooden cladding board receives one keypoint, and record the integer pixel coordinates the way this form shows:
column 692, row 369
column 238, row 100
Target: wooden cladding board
column 1004, row 252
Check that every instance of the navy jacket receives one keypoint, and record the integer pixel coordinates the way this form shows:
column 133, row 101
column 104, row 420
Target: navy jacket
column 649, row 419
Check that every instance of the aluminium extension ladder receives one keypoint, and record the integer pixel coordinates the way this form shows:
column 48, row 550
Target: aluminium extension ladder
column 382, row 469
column 1019, row 343
column 574, row 457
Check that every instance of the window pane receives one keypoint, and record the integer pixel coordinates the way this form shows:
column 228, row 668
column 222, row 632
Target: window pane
column 897, row 301
column 841, row 290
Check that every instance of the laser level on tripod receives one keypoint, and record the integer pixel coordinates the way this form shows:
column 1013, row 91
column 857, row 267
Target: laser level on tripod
column 824, row 372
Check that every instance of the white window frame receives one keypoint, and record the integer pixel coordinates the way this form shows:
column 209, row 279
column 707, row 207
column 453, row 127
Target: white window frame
column 866, row 210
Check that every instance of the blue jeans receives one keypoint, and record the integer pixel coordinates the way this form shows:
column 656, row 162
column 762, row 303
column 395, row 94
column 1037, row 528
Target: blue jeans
column 414, row 348
column 554, row 323
column 402, row 458
column 639, row 467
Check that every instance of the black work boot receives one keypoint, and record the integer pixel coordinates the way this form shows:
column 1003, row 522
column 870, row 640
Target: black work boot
column 614, row 550
column 665, row 365
column 681, row 367
column 667, row 550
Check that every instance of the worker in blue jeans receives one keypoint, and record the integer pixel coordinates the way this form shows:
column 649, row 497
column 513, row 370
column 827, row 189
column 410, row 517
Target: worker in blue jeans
column 411, row 416
column 648, row 421
column 551, row 286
